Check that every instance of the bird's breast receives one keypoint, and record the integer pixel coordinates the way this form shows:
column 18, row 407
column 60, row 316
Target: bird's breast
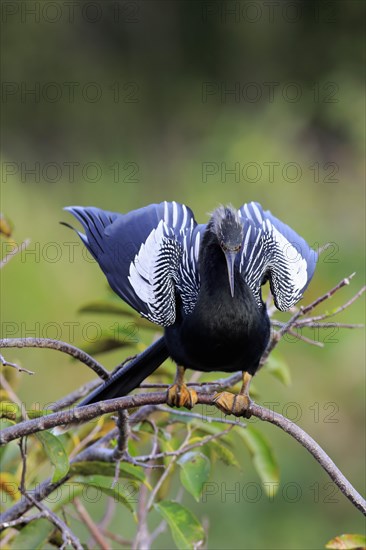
column 222, row 333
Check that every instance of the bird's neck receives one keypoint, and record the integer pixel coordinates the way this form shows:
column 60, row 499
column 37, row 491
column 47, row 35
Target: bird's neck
column 214, row 279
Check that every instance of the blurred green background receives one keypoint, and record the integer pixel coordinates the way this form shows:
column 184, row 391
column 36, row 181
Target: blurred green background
column 119, row 104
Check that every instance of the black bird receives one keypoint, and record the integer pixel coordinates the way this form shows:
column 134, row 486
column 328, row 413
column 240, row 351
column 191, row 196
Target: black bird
column 202, row 283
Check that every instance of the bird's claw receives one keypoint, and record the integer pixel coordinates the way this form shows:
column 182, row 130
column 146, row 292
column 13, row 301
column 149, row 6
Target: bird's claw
column 179, row 395
column 231, row 403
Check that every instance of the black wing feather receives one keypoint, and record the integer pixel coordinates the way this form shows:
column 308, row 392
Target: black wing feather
column 127, row 245
column 272, row 250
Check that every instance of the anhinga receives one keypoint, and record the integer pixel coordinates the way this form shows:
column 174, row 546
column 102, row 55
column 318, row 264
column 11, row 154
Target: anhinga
column 202, row 283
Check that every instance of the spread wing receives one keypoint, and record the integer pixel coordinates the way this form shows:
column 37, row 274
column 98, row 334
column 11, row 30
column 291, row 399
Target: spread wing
column 148, row 255
column 272, row 250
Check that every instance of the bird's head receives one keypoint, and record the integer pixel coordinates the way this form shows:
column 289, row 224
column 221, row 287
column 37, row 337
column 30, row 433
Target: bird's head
column 228, row 228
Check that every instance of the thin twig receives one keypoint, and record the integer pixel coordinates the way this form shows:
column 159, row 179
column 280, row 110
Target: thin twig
column 93, row 528
column 123, row 363
column 13, row 396
column 163, row 524
column 208, row 419
column 16, row 250
column 108, row 514
column 42, row 491
column 23, row 454
column 305, row 339
column 117, row 538
column 323, row 248
column 185, row 448
column 6, row 363
column 328, row 294
column 21, row 521
column 295, row 321
column 143, row 536
column 64, row 347
column 84, row 442
column 336, row 311
column 166, row 472
column 67, row 534
column 309, row 324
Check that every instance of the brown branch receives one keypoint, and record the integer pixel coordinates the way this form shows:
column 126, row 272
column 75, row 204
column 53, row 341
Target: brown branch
column 42, row 491
column 46, row 488
column 77, row 415
column 93, row 528
column 123, row 434
column 59, row 346
column 318, row 453
column 23, row 454
column 92, row 411
column 67, row 535
column 120, row 449
column 148, row 403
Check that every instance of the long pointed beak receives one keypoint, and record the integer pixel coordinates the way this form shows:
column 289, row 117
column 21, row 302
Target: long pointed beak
column 230, row 259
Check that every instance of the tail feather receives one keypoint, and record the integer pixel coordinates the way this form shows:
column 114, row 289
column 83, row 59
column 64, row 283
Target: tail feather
column 130, row 377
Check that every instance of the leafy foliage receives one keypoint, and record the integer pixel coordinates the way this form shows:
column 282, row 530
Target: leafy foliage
column 185, row 528
column 170, row 456
column 347, row 542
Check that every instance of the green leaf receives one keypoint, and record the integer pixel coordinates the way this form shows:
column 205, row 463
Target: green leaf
column 186, row 530
column 206, row 427
column 263, row 458
column 34, row 535
column 347, row 542
column 56, row 453
column 101, row 306
column 38, row 413
column 5, row 423
column 277, row 366
column 10, row 410
column 106, row 342
column 127, row 471
column 124, row 492
column 224, row 454
column 195, row 470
